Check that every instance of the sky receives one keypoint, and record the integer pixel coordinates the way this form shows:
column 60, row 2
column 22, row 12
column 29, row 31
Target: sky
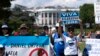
column 36, row 3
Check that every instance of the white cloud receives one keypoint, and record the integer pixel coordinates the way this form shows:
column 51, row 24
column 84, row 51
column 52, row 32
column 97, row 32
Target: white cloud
column 35, row 3
column 89, row 1
column 30, row 3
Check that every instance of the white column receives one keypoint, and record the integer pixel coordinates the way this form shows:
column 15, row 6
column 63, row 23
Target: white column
column 56, row 17
column 39, row 19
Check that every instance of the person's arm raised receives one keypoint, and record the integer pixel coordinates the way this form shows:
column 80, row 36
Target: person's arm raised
column 60, row 28
column 81, row 29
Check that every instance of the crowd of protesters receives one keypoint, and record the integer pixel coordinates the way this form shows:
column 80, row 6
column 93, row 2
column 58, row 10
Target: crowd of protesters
column 62, row 43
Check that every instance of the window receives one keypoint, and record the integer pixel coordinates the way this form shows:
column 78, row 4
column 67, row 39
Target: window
column 45, row 14
column 50, row 14
column 50, row 22
column 54, row 15
column 42, row 15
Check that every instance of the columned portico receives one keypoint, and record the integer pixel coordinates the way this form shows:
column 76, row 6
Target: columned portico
column 50, row 16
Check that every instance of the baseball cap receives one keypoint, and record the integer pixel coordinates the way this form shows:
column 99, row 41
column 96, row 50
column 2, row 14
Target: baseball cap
column 57, row 24
column 4, row 26
column 23, row 26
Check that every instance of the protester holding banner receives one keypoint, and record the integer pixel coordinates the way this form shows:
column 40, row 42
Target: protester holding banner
column 58, row 40
column 98, row 34
column 53, row 31
column 91, row 34
column 45, row 31
column 5, row 30
column 2, row 50
column 23, row 30
column 94, row 35
column 71, row 42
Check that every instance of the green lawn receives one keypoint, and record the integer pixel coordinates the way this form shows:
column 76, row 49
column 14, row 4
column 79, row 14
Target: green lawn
column 82, row 46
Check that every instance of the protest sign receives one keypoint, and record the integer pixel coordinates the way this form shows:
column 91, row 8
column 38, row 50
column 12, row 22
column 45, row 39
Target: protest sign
column 26, row 45
column 93, row 47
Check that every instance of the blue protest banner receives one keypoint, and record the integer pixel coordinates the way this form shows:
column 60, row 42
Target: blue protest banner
column 25, row 45
column 24, row 40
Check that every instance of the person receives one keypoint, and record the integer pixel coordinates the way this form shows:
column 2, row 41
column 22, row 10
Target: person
column 45, row 31
column 2, row 50
column 53, row 31
column 94, row 35
column 58, row 40
column 85, row 52
column 97, row 34
column 15, row 33
column 91, row 34
column 71, row 46
column 5, row 30
column 23, row 30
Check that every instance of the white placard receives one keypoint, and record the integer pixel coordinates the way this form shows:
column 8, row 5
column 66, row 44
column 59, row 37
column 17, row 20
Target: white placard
column 93, row 47
column 26, row 51
column 97, row 11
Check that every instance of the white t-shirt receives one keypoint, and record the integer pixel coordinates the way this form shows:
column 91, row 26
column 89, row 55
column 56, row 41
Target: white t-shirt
column 71, row 45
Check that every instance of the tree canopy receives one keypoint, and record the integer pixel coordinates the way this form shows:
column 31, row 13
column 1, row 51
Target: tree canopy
column 87, row 13
column 4, row 9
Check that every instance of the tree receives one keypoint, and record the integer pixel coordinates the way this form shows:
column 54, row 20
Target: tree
column 20, row 12
column 4, row 9
column 21, row 15
column 87, row 13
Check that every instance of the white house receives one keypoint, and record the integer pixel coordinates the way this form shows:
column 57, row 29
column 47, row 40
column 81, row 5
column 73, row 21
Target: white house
column 50, row 15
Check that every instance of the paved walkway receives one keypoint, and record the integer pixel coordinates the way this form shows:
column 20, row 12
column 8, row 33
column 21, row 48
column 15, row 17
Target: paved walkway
column 79, row 53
